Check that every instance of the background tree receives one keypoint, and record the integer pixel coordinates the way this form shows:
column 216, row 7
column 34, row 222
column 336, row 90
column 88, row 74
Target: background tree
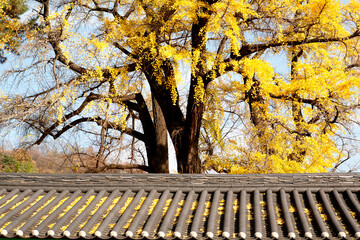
column 120, row 68
column 18, row 160
column 10, row 26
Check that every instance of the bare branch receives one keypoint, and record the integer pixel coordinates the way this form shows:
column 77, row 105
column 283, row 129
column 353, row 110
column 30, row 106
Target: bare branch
column 118, row 166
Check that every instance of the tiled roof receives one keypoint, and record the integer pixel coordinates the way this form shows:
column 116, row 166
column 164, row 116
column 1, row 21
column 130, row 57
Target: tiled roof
column 290, row 206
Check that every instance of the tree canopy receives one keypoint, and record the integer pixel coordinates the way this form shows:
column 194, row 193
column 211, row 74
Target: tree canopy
column 240, row 86
column 10, row 26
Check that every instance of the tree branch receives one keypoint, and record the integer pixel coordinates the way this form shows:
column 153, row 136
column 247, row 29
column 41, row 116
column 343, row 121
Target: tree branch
column 118, row 166
column 249, row 49
column 49, row 130
column 101, row 122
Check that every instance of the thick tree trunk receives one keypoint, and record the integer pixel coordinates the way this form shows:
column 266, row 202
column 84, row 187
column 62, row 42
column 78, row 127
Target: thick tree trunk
column 299, row 151
column 160, row 160
column 256, row 106
column 257, row 115
column 155, row 136
column 187, row 150
column 184, row 132
column 187, row 146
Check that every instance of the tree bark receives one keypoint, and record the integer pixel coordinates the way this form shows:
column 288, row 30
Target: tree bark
column 159, row 161
column 155, row 136
column 184, row 132
column 299, row 152
column 257, row 115
column 187, row 150
column 256, row 102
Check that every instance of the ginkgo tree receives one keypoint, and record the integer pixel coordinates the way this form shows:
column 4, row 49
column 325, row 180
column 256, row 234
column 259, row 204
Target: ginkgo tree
column 198, row 71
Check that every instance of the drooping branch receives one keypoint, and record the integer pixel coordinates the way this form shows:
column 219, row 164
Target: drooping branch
column 91, row 97
column 49, row 130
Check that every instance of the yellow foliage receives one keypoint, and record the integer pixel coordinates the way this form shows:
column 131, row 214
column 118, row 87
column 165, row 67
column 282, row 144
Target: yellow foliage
column 254, row 117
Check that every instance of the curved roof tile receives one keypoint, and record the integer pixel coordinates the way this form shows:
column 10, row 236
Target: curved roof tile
column 103, row 206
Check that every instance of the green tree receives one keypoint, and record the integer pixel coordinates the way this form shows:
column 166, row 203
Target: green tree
column 9, row 163
column 117, row 68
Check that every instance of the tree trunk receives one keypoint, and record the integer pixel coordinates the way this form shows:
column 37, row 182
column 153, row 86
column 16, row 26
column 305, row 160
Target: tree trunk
column 160, row 160
column 187, row 150
column 187, row 146
column 299, row 151
column 256, row 104
column 257, row 115
column 155, row 133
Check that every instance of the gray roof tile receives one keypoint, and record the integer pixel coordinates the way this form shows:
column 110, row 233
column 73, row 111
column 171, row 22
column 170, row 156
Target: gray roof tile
column 289, row 206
